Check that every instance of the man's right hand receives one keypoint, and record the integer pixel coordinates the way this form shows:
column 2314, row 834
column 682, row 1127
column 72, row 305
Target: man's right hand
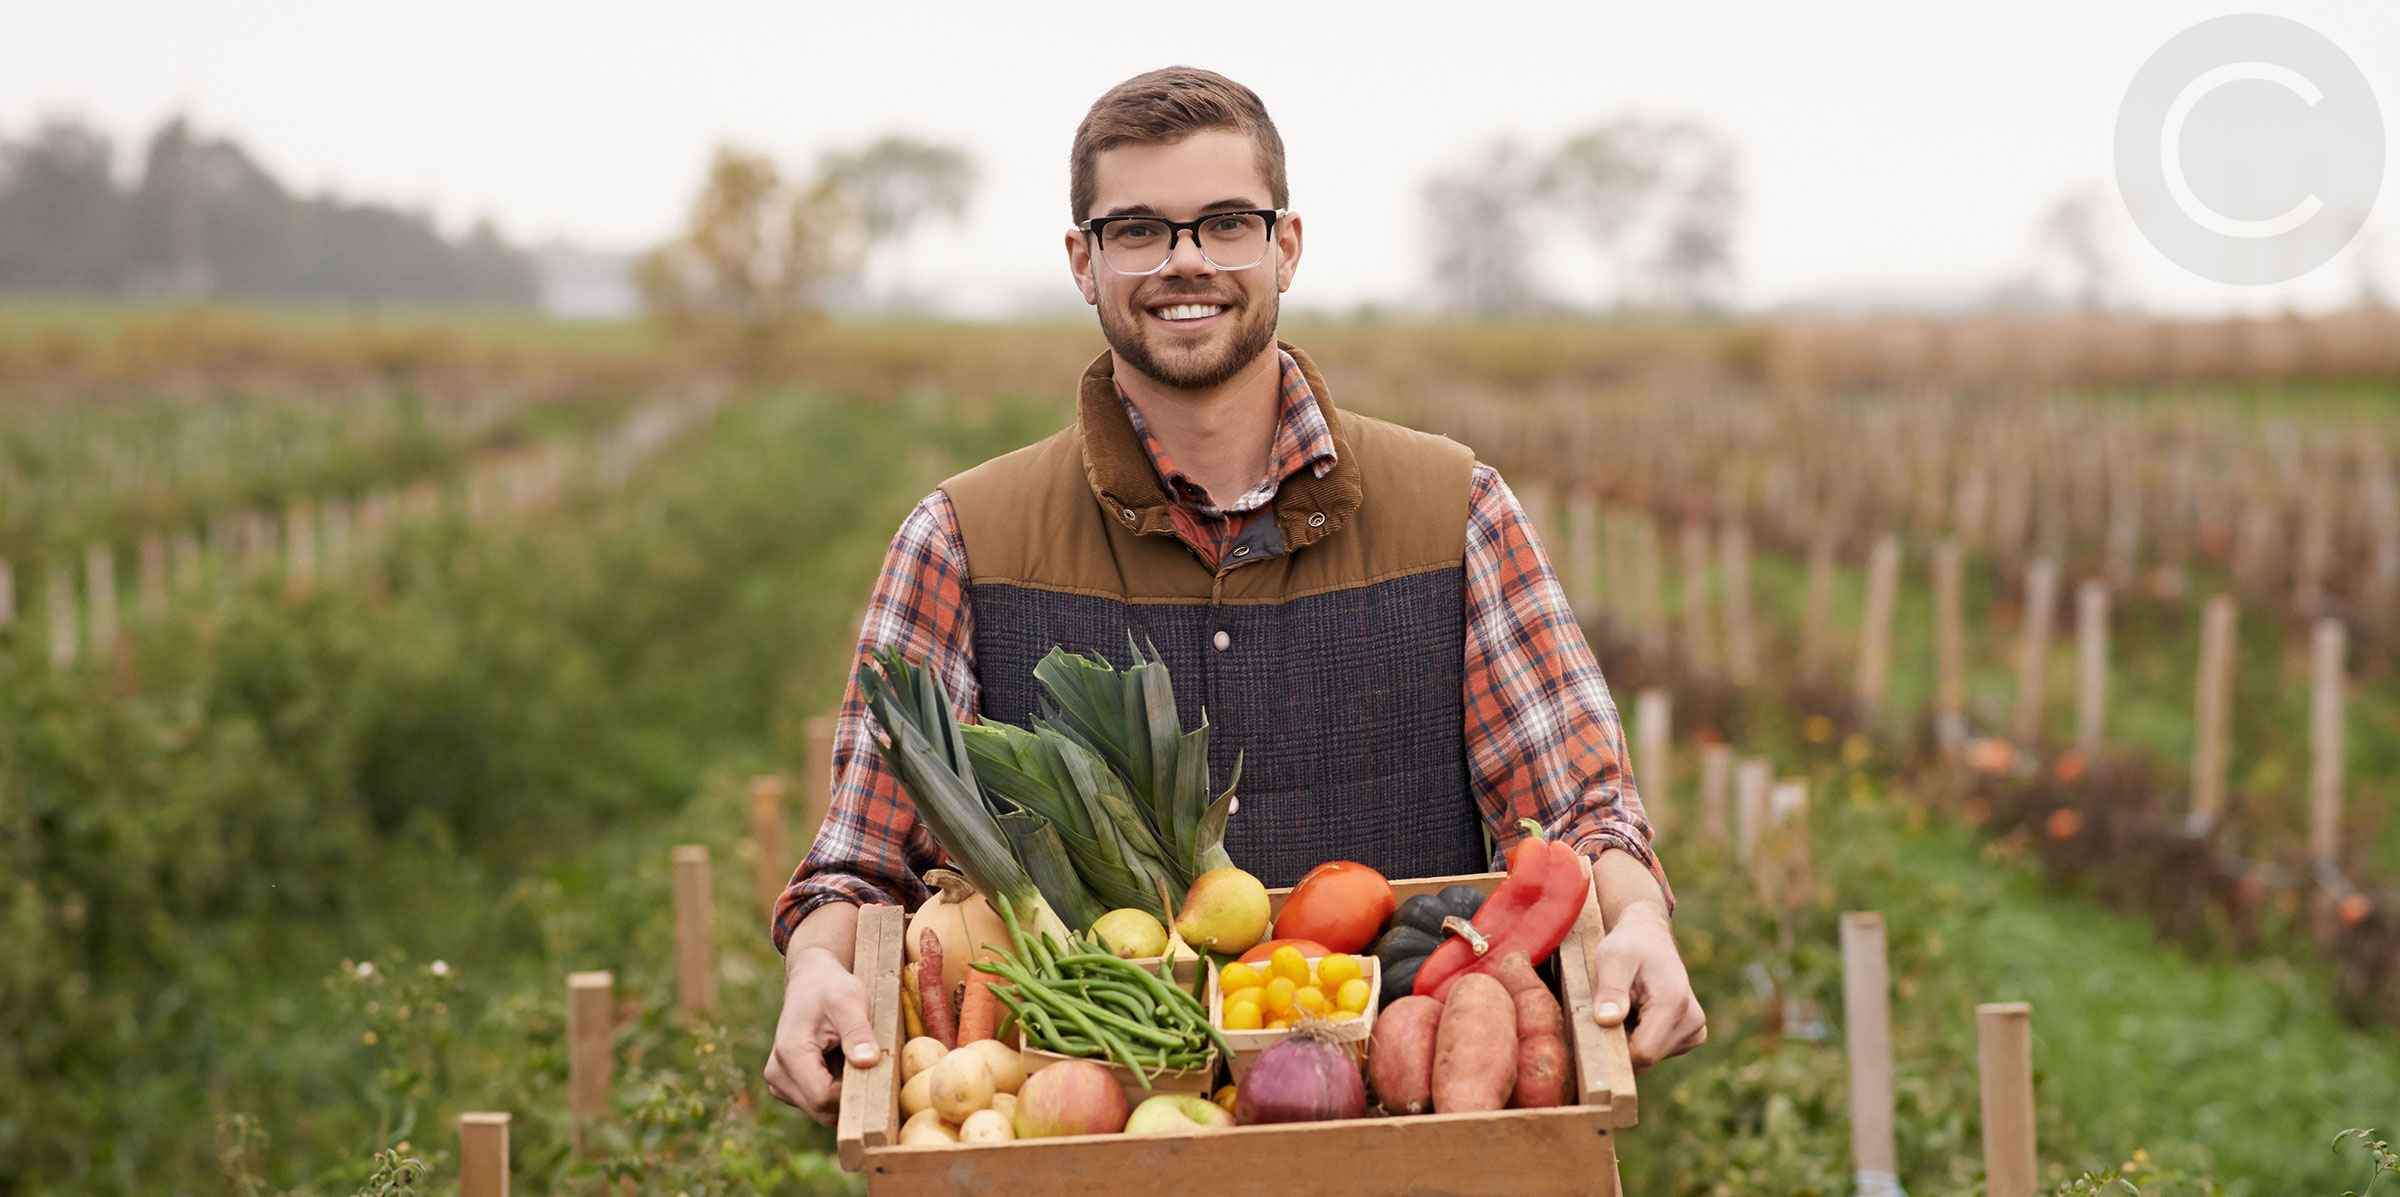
column 824, row 1007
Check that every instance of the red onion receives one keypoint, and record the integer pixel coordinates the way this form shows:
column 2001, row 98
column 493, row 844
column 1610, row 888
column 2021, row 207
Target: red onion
column 1308, row 1077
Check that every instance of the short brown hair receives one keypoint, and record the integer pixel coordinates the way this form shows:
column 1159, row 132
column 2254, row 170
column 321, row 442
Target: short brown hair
column 1165, row 106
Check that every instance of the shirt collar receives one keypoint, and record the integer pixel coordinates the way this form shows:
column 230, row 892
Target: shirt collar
column 1303, row 441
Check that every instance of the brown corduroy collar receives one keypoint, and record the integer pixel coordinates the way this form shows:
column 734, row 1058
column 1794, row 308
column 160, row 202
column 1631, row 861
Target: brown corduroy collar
column 1126, row 486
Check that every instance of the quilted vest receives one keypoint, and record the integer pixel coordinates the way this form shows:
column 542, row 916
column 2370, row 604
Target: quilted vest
column 1327, row 651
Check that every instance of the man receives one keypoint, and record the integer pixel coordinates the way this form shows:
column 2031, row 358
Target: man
column 1360, row 608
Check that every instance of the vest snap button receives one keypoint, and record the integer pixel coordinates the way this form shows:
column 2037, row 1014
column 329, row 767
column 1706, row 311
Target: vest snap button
column 1241, row 550
column 1127, row 514
column 1223, row 641
column 1316, row 519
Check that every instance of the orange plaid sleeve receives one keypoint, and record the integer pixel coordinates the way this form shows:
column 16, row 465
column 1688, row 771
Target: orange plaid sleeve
column 871, row 848
column 1543, row 737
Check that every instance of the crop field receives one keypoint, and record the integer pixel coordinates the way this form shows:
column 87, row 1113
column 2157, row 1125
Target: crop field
column 360, row 678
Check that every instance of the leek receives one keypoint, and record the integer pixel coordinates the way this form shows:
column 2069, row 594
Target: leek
column 925, row 750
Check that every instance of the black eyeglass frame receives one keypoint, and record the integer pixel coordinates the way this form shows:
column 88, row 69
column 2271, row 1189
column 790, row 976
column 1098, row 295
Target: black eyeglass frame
column 1175, row 230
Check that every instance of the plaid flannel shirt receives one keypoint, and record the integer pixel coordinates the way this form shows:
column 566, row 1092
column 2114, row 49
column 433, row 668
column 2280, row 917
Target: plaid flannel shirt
column 1543, row 738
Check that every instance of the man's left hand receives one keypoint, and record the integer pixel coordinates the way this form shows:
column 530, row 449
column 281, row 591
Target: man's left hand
column 1635, row 966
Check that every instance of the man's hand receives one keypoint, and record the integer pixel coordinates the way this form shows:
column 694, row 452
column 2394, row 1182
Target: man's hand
column 823, row 1007
column 1636, row 965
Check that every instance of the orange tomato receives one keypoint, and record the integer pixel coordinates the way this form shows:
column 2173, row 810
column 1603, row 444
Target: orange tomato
column 1342, row 904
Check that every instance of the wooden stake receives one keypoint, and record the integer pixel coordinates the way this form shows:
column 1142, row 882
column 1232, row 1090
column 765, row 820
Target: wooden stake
column 695, row 949
column 771, row 863
column 1949, row 648
column 1867, row 1020
column 1716, row 785
column 100, row 597
column 2033, row 649
column 1699, row 649
column 2004, row 1063
column 8, row 594
column 1817, row 605
column 1741, row 641
column 1653, row 729
column 2325, row 742
column 1751, row 779
column 2212, row 711
column 483, row 1155
column 2091, row 659
column 1875, row 638
column 591, row 1049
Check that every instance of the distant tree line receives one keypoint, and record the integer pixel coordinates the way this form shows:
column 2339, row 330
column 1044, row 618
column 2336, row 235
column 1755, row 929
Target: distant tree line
column 1651, row 205
column 205, row 221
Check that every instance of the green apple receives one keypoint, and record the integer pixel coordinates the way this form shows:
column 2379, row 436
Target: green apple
column 1175, row 1113
column 1131, row 934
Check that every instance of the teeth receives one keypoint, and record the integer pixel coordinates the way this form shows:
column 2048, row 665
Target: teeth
column 1189, row 311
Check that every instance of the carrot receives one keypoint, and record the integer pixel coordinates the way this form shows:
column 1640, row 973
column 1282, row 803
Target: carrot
column 933, row 998
column 910, row 1016
column 978, row 1010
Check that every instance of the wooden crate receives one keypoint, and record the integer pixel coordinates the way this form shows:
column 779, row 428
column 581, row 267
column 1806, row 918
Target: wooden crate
column 1570, row 1149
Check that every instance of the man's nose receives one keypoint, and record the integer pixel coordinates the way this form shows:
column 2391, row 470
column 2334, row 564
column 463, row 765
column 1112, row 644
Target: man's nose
column 1187, row 260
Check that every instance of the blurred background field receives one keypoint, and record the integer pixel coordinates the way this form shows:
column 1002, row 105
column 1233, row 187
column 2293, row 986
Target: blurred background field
column 421, row 508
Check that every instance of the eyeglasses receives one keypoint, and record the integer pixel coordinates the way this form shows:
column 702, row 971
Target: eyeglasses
column 1230, row 240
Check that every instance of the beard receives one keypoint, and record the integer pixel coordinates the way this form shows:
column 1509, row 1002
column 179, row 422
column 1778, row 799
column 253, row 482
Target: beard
column 1196, row 367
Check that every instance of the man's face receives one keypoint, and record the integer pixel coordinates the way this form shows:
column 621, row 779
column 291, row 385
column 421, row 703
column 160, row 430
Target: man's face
column 1210, row 170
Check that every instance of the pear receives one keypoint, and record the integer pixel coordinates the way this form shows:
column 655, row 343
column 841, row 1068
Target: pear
column 1226, row 911
column 1131, row 934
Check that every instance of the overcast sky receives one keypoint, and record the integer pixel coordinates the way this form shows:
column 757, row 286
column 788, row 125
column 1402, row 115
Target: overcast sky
column 1906, row 146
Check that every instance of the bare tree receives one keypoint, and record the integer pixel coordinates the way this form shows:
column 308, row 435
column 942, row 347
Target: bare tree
column 2071, row 236
column 1691, row 267
column 1601, row 179
column 1477, row 221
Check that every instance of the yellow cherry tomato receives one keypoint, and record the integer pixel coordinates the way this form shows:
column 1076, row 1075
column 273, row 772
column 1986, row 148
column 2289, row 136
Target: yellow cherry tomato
column 1225, row 1098
column 1309, row 999
column 1337, row 970
column 1278, row 996
column 1288, row 963
column 1353, row 995
column 1280, row 1024
column 1234, row 978
column 1243, row 1015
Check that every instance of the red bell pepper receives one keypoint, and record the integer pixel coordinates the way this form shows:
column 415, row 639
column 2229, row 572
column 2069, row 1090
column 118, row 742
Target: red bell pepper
column 1531, row 912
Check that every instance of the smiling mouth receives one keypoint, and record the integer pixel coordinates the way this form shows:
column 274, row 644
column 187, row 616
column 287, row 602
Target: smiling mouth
column 1187, row 315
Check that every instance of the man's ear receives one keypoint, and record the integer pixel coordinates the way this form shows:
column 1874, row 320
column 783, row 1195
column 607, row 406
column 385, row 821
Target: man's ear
column 1079, row 264
column 1287, row 245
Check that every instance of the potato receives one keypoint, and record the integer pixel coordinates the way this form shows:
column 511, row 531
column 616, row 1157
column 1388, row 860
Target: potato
column 926, row 1128
column 962, row 1084
column 917, row 1094
column 1006, row 1062
column 1400, row 1055
column 1475, row 1047
column 1005, row 1105
column 987, row 1126
column 919, row 1054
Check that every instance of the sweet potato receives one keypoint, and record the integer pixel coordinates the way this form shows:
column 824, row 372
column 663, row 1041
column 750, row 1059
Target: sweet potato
column 1400, row 1055
column 1475, row 1047
column 1542, row 1068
